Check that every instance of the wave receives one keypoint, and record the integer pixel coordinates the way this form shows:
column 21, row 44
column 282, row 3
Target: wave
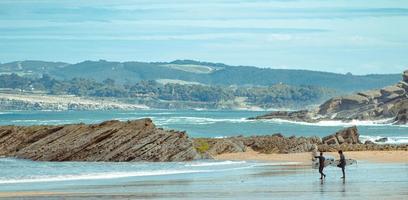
column 97, row 176
column 145, row 114
column 384, row 122
column 196, row 120
column 35, row 121
column 205, row 164
column 389, row 140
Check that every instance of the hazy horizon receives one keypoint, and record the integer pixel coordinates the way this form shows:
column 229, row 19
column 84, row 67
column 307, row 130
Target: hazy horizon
column 338, row 36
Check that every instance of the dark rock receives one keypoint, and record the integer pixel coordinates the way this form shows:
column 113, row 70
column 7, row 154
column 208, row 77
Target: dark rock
column 405, row 76
column 382, row 140
column 137, row 140
column 368, row 142
column 402, row 117
column 277, row 135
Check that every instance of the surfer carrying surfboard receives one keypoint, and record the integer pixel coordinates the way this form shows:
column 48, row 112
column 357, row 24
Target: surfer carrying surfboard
column 342, row 163
column 321, row 165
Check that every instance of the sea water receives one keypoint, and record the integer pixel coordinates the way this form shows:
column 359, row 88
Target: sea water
column 203, row 179
column 211, row 123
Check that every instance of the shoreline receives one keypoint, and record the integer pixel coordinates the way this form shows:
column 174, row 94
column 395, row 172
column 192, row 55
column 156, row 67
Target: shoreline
column 304, row 158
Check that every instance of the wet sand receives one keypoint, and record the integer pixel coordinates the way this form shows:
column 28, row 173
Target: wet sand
column 305, row 158
column 28, row 194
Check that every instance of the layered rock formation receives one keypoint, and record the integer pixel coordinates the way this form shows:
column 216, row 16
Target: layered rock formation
column 387, row 103
column 346, row 140
column 140, row 140
column 137, row 140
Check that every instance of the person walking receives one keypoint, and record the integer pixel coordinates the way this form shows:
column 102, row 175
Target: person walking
column 321, row 165
column 342, row 163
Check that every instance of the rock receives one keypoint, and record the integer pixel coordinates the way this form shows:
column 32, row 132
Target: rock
column 330, row 140
column 301, row 115
column 348, row 135
column 368, row 142
column 384, row 139
column 227, row 146
column 378, row 104
column 392, row 90
column 343, row 103
column 402, row 117
column 277, row 135
column 370, row 94
column 137, row 140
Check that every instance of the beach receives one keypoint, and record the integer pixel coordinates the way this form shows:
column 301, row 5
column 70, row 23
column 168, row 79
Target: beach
column 246, row 175
column 231, row 176
column 305, row 158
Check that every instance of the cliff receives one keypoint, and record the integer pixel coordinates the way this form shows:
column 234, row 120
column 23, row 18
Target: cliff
column 383, row 104
column 137, row 140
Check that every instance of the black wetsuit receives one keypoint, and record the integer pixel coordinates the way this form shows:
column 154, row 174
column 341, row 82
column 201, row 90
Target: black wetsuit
column 342, row 164
column 321, row 164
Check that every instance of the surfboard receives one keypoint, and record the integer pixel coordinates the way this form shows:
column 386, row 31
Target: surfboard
column 328, row 161
column 348, row 162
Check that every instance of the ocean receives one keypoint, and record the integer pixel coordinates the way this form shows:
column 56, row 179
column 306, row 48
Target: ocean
column 205, row 123
column 203, row 179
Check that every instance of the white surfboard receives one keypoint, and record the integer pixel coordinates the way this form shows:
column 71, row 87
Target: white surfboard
column 328, row 161
column 348, row 162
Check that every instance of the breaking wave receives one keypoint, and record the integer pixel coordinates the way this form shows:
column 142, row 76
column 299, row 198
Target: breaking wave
column 195, row 120
column 95, row 176
column 384, row 122
column 384, row 140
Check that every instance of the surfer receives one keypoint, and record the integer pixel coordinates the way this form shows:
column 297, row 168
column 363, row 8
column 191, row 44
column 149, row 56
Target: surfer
column 321, row 165
column 342, row 163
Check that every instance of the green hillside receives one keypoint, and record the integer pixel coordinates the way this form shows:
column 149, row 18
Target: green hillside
column 201, row 72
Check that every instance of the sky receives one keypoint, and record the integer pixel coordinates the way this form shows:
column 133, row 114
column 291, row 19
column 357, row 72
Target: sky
column 361, row 37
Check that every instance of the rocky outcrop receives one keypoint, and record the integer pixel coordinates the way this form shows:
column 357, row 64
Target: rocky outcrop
column 140, row 140
column 347, row 135
column 346, row 139
column 137, row 140
column 301, row 115
column 386, row 103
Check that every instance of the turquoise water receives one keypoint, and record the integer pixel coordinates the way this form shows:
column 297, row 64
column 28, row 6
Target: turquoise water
column 207, row 123
column 204, row 179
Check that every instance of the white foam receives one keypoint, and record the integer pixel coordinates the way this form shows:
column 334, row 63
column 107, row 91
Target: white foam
column 220, row 137
column 390, row 140
column 204, row 164
column 196, row 120
column 96, row 176
column 384, row 122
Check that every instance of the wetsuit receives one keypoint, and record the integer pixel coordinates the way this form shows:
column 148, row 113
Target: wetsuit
column 321, row 165
column 342, row 164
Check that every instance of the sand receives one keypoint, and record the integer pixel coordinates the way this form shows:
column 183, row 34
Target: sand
column 305, row 158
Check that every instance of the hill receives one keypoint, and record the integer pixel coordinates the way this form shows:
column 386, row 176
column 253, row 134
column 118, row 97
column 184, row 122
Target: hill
column 198, row 72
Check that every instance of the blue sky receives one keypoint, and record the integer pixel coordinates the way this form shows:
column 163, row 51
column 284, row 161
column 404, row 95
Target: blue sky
column 338, row 36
